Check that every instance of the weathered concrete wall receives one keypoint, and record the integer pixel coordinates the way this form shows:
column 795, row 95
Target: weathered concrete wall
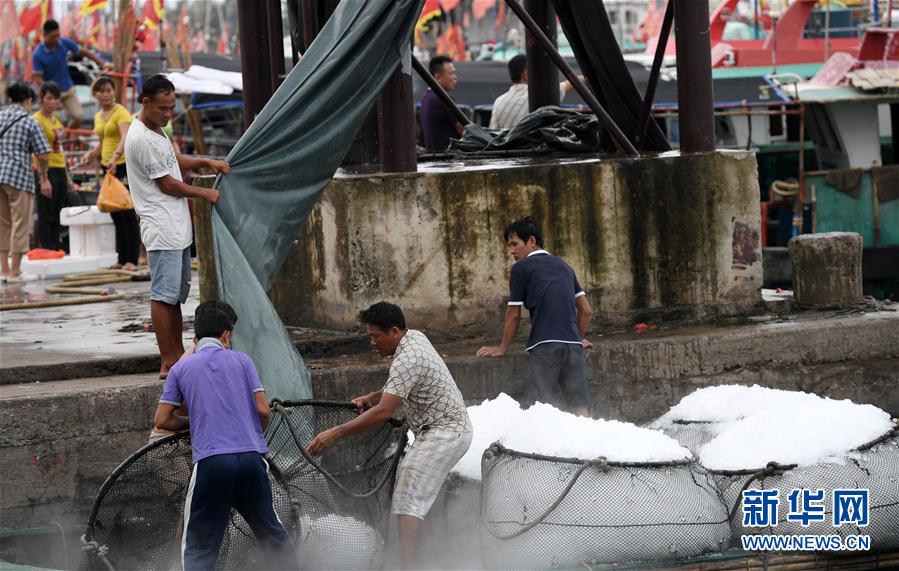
column 671, row 236
column 61, row 439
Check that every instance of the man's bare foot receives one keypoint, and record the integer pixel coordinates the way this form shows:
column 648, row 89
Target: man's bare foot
column 130, row 267
column 116, row 266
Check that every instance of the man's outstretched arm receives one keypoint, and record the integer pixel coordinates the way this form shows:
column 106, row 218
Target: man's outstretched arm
column 375, row 416
column 510, row 327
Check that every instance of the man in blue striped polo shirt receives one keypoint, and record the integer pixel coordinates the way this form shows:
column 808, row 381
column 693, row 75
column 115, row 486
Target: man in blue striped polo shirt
column 559, row 309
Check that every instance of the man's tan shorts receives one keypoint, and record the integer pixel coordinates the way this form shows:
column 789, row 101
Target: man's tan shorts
column 15, row 219
column 71, row 104
column 424, row 468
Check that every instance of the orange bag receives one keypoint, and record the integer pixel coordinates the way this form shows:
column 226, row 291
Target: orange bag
column 113, row 195
column 45, row 254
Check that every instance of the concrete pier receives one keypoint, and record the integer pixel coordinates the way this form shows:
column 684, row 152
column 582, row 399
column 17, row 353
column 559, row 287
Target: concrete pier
column 61, row 438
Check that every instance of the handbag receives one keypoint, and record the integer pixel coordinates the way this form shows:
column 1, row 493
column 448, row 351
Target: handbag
column 114, row 197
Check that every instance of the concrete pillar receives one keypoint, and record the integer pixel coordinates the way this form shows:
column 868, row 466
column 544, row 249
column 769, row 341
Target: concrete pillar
column 827, row 268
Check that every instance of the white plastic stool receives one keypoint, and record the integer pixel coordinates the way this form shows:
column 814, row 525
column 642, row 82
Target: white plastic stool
column 91, row 232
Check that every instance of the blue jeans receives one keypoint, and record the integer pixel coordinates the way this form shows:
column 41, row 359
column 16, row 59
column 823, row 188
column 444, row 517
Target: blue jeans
column 226, row 481
column 169, row 275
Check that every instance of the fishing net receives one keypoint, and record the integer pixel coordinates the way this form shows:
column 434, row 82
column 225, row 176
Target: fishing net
column 692, row 435
column 546, row 512
column 453, row 522
column 335, row 507
column 873, row 467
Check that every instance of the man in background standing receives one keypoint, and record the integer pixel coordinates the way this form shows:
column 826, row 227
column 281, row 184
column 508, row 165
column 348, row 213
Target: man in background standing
column 51, row 63
column 511, row 107
column 559, row 309
column 160, row 199
column 438, row 124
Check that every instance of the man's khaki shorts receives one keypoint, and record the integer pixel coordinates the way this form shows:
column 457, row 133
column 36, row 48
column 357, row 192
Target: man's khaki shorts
column 424, row 468
column 16, row 212
column 71, row 104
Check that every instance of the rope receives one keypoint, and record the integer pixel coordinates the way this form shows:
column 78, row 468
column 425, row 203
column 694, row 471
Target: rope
column 771, row 469
column 401, row 445
column 784, row 188
column 61, row 302
column 100, row 550
column 490, row 453
column 75, row 284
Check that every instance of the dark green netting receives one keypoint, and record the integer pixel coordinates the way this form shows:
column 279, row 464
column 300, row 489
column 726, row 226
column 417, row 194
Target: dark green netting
column 283, row 162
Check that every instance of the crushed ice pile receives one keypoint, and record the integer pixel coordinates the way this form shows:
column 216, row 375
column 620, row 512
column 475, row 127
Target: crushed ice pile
column 544, row 429
column 756, row 425
column 338, row 542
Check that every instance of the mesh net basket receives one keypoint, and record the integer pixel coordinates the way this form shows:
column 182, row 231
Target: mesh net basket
column 544, row 512
column 335, row 507
column 343, row 497
column 692, row 435
column 873, row 467
column 452, row 524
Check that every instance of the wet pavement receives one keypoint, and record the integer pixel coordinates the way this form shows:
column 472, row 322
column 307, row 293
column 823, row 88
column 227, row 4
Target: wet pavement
column 52, row 335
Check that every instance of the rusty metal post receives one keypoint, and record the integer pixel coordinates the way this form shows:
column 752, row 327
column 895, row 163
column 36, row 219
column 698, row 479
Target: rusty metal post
column 396, row 121
column 605, row 120
column 543, row 77
column 650, row 94
column 254, row 59
column 694, row 76
column 275, row 33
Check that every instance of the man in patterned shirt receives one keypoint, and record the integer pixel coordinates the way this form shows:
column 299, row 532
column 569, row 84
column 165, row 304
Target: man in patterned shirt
column 422, row 388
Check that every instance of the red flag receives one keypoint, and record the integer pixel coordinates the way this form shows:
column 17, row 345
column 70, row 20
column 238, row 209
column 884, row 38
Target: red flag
column 448, row 5
column 91, row 6
column 224, row 47
column 480, row 8
column 30, row 19
column 9, row 21
column 154, row 12
column 430, row 12
column 452, row 43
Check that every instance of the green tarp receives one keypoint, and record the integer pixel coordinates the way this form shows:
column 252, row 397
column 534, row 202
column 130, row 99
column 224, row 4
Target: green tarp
column 283, row 162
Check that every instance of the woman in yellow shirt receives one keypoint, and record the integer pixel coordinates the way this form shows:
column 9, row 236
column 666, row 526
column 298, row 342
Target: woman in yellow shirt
column 111, row 124
column 52, row 200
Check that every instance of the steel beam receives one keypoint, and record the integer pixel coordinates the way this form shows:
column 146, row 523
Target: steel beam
column 618, row 137
column 275, row 37
column 543, row 77
column 694, row 76
column 254, row 60
column 650, row 94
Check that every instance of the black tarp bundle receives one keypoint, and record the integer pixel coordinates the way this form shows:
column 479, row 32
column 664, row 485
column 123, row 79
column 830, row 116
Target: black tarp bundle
column 283, row 162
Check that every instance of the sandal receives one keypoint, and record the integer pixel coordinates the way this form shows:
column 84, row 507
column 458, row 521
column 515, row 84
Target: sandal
column 115, row 267
column 129, row 267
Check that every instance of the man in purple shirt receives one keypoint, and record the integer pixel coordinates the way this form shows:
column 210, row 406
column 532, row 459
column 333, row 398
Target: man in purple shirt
column 438, row 124
column 228, row 413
